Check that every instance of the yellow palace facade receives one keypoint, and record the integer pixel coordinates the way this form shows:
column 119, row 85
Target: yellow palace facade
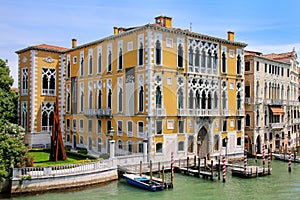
column 174, row 89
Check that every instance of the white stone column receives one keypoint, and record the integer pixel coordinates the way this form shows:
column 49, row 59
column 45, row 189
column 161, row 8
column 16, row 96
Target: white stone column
column 111, row 149
column 145, row 151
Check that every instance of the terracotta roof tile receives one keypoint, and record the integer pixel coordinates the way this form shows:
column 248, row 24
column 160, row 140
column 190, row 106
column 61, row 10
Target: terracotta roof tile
column 51, row 47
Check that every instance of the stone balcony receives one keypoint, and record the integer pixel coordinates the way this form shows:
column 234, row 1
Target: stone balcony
column 240, row 112
column 198, row 112
column 159, row 112
column 107, row 112
column 276, row 125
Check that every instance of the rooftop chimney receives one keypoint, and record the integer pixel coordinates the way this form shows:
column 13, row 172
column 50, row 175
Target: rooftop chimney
column 164, row 21
column 230, row 35
column 116, row 30
column 74, row 43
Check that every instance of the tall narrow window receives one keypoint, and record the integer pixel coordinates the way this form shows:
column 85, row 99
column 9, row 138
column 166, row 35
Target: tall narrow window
column 99, row 145
column 191, row 99
column 48, row 83
column 239, row 101
column 120, row 98
column 90, row 65
column 109, row 99
column 81, row 97
column 109, row 61
column 180, row 56
column 90, row 125
column 203, row 100
column 24, row 112
column 209, row 58
column 99, row 62
column 180, row 99
column 215, row 61
column 120, row 128
column 197, row 100
column 158, row 53
column 47, row 116
column 247, row 120
column 203, row 58
column 158, row 97
column 99, row 126
column 140, row 129
column 141, row 99
column 120, row 61
column 90, row 99
column 99, row 98
column 216, row 100
column 68, row 69
column 191, row 56
column 209, row 101
column 197, row 57
column 224, row 100
column 68, row 102
column 224, row 62
column 129, row 129
column 81, row 65
column 141, row 54
column 238, row 64
column 159, row 127
column 180, row 126
column 24, row 81
column 224, row 125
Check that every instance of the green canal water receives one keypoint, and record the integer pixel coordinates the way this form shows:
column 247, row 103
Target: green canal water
column 279, row 185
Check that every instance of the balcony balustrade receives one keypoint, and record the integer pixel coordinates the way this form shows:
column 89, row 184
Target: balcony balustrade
column 276, row 125
column 98, row 112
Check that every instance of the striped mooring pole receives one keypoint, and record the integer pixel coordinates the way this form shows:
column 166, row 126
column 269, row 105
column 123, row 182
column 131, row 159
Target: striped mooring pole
column 263, row 155
column 290, row 160
column 224, row 169
column 245, row 162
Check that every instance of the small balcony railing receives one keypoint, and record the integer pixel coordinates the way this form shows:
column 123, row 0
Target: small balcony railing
column 48, row 92
column 160, row 112
column 240, row 112
column 276, row 125
column 46, row 128
column 107, row 112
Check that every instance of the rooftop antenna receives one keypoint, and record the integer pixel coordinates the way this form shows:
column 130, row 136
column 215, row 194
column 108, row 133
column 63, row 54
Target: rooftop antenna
column 191, row 26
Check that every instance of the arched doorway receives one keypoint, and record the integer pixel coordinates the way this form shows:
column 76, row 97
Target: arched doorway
column 74, row 142
column 258, row 145
column 202, row 143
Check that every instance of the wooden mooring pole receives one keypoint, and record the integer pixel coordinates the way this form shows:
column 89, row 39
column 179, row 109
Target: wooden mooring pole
column 211, row 170
column 158, row 169
column 219, row 169
column 141, row 168
column 199, row 166
column 150, row 169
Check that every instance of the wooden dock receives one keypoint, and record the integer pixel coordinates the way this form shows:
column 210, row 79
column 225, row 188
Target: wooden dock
column 250, row 172
column 197, row 173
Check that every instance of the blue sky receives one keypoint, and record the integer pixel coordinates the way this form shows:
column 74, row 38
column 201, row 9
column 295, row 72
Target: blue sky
column 265, row 25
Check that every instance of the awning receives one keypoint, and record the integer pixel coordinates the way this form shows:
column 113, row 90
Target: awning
column 277, row 111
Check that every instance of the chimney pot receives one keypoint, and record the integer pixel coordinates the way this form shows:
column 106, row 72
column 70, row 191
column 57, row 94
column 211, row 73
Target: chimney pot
column 116, row 30
column 230, row 35
column 74, row 43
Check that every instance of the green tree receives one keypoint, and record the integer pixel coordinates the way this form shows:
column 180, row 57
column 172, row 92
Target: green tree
column 8, row 97
column 12, row 149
